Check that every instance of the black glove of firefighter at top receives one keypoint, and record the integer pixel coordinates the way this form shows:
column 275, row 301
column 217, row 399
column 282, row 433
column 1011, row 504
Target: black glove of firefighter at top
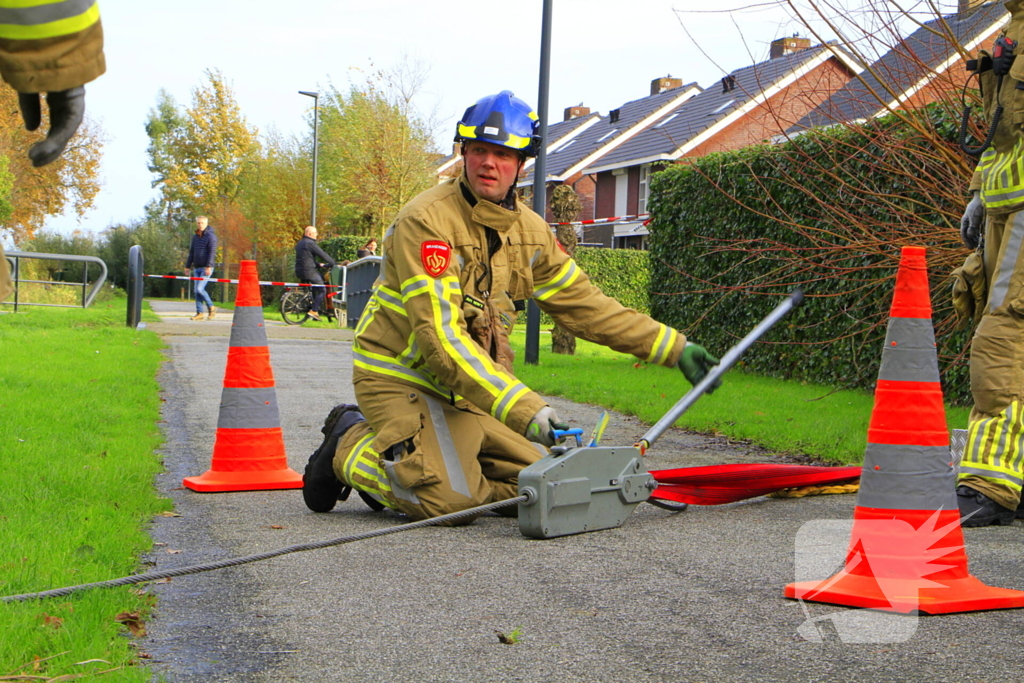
column 696, row 363
column 67, row 108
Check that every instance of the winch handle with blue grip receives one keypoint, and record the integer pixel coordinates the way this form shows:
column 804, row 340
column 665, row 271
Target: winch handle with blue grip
column 575, row 431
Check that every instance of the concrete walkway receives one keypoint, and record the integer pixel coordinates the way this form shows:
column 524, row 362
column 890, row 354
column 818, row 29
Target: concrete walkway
column 694, row 596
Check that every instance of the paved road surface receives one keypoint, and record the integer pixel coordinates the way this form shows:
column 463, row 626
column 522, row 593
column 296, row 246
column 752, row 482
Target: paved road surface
column 667, row 597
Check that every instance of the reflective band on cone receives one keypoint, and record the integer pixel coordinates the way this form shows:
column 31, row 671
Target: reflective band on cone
column 906, row 549
column 248, row 453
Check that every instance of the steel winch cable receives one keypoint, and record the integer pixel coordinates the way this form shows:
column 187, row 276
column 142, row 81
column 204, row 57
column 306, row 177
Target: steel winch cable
column 246, row 559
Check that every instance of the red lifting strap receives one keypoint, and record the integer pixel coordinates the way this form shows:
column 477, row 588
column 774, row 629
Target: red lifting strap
column 720, row 484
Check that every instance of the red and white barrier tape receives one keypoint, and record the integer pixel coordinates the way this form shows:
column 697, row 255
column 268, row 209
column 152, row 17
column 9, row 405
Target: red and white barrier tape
column 235, row 282
column 610, row 219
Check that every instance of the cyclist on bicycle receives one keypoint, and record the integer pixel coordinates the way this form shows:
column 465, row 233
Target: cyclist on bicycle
column 308, row 255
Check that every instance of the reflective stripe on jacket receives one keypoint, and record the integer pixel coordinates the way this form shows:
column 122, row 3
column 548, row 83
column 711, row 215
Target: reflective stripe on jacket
column 1001, row 167
column 50, row 45
column 444, row 326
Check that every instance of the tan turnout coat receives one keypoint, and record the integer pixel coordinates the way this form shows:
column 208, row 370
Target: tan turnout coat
column 442, row 309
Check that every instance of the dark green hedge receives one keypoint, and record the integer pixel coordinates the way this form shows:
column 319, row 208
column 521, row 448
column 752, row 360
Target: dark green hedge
column 623, row 274
column 344, row 248
column 731, row 233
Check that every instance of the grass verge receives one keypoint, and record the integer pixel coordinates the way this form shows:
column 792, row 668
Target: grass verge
column 79, row 408
column 781, row 415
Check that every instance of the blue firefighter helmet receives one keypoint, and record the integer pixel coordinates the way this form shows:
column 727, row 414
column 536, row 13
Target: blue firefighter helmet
column 501, row 119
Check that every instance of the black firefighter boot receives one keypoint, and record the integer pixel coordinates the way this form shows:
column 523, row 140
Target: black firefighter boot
column 321, row 489
column 977, row 509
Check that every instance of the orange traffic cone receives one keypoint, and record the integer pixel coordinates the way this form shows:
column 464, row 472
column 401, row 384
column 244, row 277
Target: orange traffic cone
column 248, row 454
column 906, row 549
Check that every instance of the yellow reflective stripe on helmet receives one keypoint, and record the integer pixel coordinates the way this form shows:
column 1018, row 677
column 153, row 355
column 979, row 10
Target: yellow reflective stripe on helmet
column 566, row 276
column 663, row 345
column 1002, row 176
column 35, row 19
column 516, row 142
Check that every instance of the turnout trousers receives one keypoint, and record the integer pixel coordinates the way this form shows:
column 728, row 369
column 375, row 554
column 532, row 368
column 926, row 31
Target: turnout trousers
column 419, row 454
column 992, row 462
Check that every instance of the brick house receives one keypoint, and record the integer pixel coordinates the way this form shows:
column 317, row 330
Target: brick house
column 924, row 67
column 750, row 105
column 566, row 160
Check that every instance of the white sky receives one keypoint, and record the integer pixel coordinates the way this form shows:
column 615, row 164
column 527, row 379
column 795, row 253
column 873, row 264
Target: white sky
column 604, row 53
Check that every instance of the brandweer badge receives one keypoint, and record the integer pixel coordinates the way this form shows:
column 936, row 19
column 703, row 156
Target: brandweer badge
column 436, row 255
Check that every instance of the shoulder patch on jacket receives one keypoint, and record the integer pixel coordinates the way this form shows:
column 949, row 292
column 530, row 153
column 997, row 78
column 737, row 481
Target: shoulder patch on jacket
column 435, row 255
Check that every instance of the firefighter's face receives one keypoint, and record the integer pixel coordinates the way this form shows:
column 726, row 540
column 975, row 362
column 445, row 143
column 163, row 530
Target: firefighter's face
column 491, row 169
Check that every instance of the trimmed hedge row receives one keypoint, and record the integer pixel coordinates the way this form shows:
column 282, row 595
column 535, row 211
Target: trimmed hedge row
column 731, row 233
column 344, row 247
column 623, row 274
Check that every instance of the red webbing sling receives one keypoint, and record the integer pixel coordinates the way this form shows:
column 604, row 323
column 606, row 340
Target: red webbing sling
column 720, row 484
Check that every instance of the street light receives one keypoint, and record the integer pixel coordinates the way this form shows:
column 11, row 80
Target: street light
column 316, row 102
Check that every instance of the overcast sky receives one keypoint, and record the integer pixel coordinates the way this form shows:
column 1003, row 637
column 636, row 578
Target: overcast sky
column 604, row 53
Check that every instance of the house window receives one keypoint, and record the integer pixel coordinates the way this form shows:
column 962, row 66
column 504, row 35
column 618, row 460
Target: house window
column 645, row 175
column 621, row 188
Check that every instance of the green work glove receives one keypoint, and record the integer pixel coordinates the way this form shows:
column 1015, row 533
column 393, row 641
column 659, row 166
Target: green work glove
column 696, row 362
column 542, row 426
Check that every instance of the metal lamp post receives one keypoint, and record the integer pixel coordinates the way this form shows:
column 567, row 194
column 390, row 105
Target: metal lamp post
column 316, row 103
column 540, row 172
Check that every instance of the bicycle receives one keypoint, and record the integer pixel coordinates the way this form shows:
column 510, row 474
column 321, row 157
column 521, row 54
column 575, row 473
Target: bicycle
column 296, row 304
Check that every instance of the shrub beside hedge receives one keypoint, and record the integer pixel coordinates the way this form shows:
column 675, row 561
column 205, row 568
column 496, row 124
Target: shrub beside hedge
column 623, row 274
column 344, row 248
column 722, row 253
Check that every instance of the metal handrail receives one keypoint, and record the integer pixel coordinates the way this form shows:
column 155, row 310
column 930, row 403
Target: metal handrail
column 14, row 257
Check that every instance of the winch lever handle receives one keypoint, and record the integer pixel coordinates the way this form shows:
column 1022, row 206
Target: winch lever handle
column 794, row 299
column 575, row 431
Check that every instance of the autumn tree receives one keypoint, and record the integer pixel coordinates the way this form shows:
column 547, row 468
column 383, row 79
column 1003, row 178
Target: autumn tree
column 6, row 182
column 275, row 194
column 565, row 208
column 199, row 156
column 375, row 148
column 70, row 182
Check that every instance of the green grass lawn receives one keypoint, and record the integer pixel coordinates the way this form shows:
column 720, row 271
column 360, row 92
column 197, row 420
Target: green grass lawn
column 781, row 415
column 79, row 407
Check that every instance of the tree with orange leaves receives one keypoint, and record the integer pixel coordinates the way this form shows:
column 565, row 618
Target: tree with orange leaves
column 199, row 156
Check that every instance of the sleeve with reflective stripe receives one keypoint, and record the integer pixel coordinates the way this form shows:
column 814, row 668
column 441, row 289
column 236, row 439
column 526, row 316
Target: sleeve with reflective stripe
column 46, row 18
column 563, row 290
column 50, row 45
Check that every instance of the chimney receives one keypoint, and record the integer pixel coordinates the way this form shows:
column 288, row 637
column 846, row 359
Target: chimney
column 576, row 112
column 781, row 47
column 965, row 6
column 660, row 85
column 728, row 83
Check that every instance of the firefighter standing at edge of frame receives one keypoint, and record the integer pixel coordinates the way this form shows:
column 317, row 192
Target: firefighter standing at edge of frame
column 991, row 472
column 51, row 47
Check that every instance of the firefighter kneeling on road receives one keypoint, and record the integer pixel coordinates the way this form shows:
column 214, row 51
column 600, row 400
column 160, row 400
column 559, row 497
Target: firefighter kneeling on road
column 447, row 424
column 991, row 471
